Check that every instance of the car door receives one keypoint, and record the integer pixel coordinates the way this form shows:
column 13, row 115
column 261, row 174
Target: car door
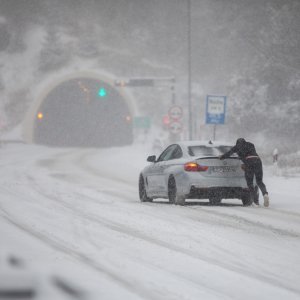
column 154, row 178
column 167, row 166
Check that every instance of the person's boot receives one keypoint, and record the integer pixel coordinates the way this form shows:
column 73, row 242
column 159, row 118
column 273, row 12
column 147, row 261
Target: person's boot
column 266, row 200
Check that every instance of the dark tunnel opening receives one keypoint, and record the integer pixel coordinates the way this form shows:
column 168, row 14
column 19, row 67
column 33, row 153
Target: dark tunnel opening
column 83, row 112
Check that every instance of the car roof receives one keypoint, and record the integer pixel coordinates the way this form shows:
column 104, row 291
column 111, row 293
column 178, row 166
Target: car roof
column 203, row 143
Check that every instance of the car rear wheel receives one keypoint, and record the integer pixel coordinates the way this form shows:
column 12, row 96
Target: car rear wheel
column 172, row 193
column 247, row 199
column 142, row 191
column 215, row 200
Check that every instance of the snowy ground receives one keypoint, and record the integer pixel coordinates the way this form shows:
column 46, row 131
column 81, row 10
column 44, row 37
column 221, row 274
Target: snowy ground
column 74, row 215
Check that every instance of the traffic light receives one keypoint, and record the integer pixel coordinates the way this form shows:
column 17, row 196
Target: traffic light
column 166, row 121
column 102, row 92
column 128, row 119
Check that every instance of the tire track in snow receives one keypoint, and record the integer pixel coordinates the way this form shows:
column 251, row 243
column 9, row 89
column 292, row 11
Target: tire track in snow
column 256, row 224
column 80, row 160
column 125, row 229
column 242, row 220
column 80, row 256
column 228, row 216
column 84, row 163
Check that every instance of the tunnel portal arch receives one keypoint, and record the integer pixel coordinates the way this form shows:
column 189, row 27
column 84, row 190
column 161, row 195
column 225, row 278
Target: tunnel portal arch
column 81, row 110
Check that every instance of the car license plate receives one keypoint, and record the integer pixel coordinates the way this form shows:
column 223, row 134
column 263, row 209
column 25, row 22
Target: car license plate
column 225, row 169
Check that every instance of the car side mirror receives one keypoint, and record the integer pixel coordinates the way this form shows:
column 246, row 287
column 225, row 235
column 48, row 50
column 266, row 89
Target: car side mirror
column 151, row 158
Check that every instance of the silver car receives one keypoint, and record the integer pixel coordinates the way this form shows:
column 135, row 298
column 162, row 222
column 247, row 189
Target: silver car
column 193, row 170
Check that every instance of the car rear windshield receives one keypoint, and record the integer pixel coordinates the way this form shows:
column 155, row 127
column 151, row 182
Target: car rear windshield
column 208, row 151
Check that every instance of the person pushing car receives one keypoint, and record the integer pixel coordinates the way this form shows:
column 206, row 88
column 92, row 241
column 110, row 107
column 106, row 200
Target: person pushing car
column 253, row 166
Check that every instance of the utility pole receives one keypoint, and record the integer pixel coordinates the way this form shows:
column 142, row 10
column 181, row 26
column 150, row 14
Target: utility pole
column 189, row 50
column 173, row 100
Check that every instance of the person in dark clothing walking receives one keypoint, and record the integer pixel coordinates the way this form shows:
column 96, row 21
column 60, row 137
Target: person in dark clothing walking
column 253, row 166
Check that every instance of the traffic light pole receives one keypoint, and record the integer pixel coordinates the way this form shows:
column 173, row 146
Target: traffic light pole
column 173, row 93
column 148, row 82
column 153, row 82
column 189, row 54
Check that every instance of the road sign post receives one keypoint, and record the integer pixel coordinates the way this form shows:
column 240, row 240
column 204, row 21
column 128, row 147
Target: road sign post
column 175, row 127
column 175, row 114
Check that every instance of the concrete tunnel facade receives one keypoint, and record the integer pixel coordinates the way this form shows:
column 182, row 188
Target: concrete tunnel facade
column 83, row 109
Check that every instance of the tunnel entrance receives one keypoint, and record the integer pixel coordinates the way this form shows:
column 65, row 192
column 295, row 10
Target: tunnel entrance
column 83, row 112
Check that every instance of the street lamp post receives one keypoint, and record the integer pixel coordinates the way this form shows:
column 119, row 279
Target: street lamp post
column 190, row 118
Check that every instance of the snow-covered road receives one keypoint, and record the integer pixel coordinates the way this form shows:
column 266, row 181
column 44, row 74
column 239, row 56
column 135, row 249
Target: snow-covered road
column 76, row 213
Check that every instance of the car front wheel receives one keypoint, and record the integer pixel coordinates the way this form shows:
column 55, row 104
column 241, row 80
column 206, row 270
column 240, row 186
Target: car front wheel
column 142, row 191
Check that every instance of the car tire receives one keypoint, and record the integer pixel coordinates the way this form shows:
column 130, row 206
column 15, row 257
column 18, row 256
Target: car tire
column 172, row 193
column 215, row 200
column 247, row 199
column 142, row 191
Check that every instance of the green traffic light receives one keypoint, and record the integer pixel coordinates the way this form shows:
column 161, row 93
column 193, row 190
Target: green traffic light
column 102, row 92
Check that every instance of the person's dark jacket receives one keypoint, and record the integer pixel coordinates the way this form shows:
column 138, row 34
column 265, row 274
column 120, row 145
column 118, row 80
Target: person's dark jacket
column 243, row 149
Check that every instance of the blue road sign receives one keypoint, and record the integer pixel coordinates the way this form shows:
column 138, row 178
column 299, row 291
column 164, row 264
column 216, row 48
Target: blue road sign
column 215, row 109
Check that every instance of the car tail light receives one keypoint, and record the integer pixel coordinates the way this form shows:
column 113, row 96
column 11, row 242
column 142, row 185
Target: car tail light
column 194, row 167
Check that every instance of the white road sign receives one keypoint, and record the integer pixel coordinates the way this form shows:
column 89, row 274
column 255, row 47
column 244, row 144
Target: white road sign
column 216, row 105
column 175, row 127
column 175, row 112
column 215, row 109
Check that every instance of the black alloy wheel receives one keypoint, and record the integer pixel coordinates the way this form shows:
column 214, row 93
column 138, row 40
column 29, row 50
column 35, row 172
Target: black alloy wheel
column 247, row 198
column 215, row 200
